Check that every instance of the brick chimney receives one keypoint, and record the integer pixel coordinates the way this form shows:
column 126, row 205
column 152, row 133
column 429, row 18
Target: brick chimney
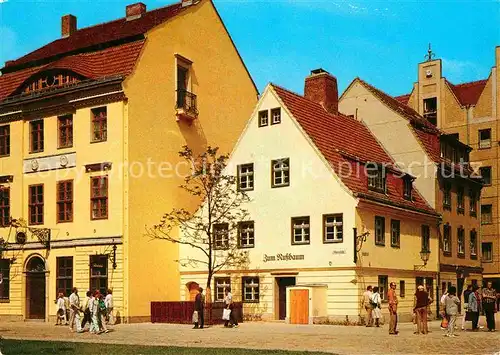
column 321, row 87
column 135, row 11
column 68, row 25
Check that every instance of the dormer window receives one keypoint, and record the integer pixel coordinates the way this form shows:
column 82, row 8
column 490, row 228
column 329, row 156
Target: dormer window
column 49, row 80
column 376, row 177
column 407, row 187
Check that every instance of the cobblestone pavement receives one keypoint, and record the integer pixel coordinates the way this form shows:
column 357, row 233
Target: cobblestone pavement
column 326, row 338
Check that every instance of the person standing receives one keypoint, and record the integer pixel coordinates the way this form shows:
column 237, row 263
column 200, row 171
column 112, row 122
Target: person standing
column 365, row 301
column 376, row 301
column 474, row 307
column 108, row 301
column 467, row 293
column 420, row 303
column 199, row 306
column 489, row 299
column 442, row 306
column 61, row 310
column 393, row 309
column 86, row 310
column 74, row 311
column 102, row 314
column 228, row 300
column 94, row 313
column 452, row 302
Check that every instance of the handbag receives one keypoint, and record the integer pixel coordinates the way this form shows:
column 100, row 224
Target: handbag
column 444, row 323
column 226, row 314
column 195, row 317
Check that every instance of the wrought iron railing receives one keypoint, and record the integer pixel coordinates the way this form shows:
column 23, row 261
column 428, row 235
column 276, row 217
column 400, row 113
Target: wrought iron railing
column 187, row 100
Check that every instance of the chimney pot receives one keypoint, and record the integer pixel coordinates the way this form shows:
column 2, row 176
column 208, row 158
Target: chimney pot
column 135, row 11
column 321, row 87
column 68, row 25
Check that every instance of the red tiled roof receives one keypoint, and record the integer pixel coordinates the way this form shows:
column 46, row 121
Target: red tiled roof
column 468, row 93
column 100, row 34
column 403, row 98
column 347, row 145
column 113, row 61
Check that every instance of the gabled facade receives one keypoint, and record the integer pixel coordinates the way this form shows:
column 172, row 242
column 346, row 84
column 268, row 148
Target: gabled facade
column 324, row 227
column 469, row 111
column 90, row 127
column 443, row 175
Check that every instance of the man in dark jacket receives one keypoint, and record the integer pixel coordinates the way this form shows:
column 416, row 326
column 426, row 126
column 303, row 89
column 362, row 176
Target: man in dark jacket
column 199, row 306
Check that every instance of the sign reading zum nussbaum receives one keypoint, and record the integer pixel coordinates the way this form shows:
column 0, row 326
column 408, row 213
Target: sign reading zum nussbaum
column 282, row 257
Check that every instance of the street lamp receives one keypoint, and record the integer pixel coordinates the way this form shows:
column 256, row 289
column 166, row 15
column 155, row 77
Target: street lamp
column 424, row 255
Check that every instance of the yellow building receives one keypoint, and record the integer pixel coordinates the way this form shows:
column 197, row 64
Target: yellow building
column 90, row 127
column 329, row 212
column 469, row 112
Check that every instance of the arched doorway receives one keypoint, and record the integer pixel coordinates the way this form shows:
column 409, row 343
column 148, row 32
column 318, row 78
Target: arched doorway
column 35, row 288
column 193, row 289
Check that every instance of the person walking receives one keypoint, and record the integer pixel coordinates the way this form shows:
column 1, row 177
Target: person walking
column 228, row 300
column 108, row 301
column 199, row 306
column 61, row 310
column 74, row 311
column 452, row 302
column 86, row 310
column 102, row 314
column 420, row 303
column 365, row 301
column 489, row 299
column 442, row 307
column 465, row 309
column 474, row 307
column 376, row 302
column 94, row 313
column 393, row 309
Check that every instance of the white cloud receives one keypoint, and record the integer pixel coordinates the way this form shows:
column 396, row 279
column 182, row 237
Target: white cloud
column 2, row 1
column 462, row 70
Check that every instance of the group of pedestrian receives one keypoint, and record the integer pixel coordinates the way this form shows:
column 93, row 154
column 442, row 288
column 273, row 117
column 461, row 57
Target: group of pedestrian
column 372, row 302
column 228, row 316
column 476, row 302
column 97, row 310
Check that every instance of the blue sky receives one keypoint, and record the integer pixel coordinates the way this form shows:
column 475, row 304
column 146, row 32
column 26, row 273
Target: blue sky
column 282, row 40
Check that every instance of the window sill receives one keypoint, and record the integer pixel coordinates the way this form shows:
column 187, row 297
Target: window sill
column 277, row 186
column 251, row 301
column 447, row 253
column 5, row 156
column 396, row 246
column 100, row 141
column 482, row 148
column 473, row 257
column 487, row 261
column 59, row 222
column 246, row 246
column 245, row 190
column 333, row 241
column 376, row 189
column 461, row 255
column 305, row 243
column 98, row 218
column 486, row 223
column 380, row 244
column 5, row 300
column 65, row 147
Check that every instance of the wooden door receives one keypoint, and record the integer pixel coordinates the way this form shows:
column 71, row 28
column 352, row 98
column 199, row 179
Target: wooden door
column 283, row 282
column 35, row 295
column 299, row 306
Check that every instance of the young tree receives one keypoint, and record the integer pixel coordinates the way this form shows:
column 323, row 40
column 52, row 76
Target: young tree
column 212, row 230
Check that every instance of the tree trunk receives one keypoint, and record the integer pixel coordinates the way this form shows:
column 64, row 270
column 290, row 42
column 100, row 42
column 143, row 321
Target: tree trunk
column 208, row 295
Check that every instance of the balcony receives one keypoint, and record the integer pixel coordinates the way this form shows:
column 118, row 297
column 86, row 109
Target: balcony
column 186, row 106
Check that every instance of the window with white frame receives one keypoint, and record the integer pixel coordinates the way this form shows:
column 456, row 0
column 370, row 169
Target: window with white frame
column 333, row 228
column 281, row 172
column 263, row 118
column 276, row 115
column 221, row 236
column 221, row 284
column 246, row 234
column 446, row 238
column 461, row 241
column 376, row 177
column 245, row 177
column 300, row 230
column 250, row 289
column 473, row 244
column 484, row 138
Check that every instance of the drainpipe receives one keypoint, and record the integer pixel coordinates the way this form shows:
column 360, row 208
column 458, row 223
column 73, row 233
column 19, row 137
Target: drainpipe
column 438, row 283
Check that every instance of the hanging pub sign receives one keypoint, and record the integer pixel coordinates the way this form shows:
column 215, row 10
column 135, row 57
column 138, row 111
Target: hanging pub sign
column 282, row 257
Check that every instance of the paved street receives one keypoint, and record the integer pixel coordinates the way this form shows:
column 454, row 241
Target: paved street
column 334, row 339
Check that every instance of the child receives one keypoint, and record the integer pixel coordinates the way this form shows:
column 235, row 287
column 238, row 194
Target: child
column 61, row 310
column 452, row 302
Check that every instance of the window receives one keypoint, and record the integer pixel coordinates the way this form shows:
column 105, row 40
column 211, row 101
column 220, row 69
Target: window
column 4, row 140
column 419, row 280
column 383, row 286
column 376, row 177
column 429, row 286
column 472, row 202
column 460, row 199
column 281, row 172
column 402, row 289
column 300, row 230
column 36, row 204
column 487, row 251
column 473, row 244
column 245, row 177
column 4, row 206
column 426, row 238
column 65, row 125
column 65, row 201
column 276, row 115
column 36, row 136
column 221, row 284
column 430, row 110
column 64, row 275
column 447, row 239
column 461, row 241
column 99, row 124
column 99, row 197
column 5, row 277
column 250, row 289
column 447, row 196
column 484, row 138
column 395, row 233
column 221, row 236
column 246, row 234
column 379, row 230
column 486, row 214
column 407, row 188
column 263, row 118
column 485, row 172
column 99, row 273
column 332, row 228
